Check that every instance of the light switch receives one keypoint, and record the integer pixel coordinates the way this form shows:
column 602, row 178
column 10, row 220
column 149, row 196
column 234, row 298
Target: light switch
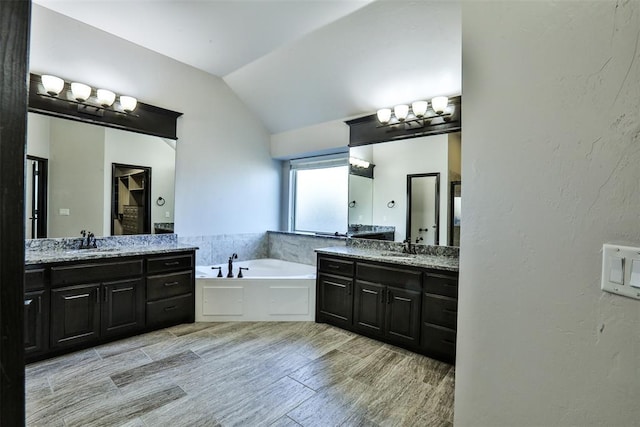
column 621, row 269
column 64, row 212
column 616, row 270
column 634, row 279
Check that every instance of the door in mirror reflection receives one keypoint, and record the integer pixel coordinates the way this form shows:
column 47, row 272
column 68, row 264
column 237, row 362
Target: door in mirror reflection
column 423, row 208
column 36, row 197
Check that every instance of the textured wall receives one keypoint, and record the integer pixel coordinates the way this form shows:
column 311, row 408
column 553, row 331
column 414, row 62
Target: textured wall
column 550, row 164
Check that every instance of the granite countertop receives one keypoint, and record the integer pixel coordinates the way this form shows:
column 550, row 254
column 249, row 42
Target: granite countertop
column 40, row 256
column 394, row 257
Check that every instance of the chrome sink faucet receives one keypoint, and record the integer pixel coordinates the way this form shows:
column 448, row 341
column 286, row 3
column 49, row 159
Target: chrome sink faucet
column 231, row 258
column 409, row 248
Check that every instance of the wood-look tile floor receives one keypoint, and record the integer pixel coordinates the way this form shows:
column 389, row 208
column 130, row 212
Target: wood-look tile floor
column 241, row 374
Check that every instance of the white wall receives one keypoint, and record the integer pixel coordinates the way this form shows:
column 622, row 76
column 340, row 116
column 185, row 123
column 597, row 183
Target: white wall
column 394, row 161
column 141, row 150
column 76, row 169
column 550, row 165
column 324, row 138
column 226, row 181
column 38, row 130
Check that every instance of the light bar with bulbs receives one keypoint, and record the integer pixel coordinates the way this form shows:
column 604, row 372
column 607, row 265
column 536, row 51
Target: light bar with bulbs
column 418, row 111
column 80, row 94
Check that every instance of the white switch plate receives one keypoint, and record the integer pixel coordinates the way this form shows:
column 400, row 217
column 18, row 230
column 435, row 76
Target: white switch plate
column 621, row 270
column 64, row 212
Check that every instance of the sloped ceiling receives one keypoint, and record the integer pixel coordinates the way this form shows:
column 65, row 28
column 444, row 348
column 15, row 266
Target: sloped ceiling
column 298, row 63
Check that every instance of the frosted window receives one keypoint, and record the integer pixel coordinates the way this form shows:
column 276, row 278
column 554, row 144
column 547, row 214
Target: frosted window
column 321, row 199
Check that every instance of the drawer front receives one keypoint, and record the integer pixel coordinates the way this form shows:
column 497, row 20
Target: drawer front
column 441, row 284
column 170, row 310
column 35, row 279
column 438, row 342
column 169, row 263
column 169, row 285
column 398, row 277
column 440, row 310
column 335, row 266
column 87, row 273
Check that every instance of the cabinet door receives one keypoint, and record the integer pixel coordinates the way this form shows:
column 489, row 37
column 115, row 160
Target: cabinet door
column 122, row 306
column 335, row 299
column 36, row 307
column 75, row 315
column 403, row 315
column 368, row 309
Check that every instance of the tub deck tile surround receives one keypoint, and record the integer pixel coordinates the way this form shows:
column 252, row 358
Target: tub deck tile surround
column 241, row 373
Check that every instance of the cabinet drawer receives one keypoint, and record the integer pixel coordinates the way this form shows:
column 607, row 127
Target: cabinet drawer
column 169, row 285
column 170, row 310
column 439, row 342
column 87, row 273
column 441, row 284
column 35, row 279
column 168, row 263
column 335, row 266
column 398, row 277
column 440, row 310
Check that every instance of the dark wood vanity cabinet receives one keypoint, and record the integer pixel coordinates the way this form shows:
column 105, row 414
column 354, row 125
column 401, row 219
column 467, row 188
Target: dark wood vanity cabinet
column 36, row 311
column 72, row 305
column 90, row 301
column 334, row 300
column 170, row 290
column 412, row 307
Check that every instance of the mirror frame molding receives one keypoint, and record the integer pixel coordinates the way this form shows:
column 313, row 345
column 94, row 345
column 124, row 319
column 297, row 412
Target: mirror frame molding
column 422, row 175
column 147, row 119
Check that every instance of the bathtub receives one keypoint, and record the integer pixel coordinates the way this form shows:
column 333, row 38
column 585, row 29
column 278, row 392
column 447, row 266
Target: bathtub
column 271, row 290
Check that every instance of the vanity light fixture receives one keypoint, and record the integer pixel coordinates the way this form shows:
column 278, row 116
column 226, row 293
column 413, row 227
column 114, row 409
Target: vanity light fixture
column 359, row 163
column 105, row 97
column 52, row 85
column 418, row 115
column 80, row 93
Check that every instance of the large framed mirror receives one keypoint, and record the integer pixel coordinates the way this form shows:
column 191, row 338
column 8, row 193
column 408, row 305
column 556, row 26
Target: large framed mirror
column 79, row 182
column 382, row 200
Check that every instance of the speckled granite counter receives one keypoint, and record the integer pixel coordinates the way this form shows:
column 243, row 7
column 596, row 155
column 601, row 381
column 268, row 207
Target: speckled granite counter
column 439, row 262
column 64, row 255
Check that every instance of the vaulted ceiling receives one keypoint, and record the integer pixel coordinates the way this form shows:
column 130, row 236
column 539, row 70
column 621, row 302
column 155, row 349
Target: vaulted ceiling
column 298, row 62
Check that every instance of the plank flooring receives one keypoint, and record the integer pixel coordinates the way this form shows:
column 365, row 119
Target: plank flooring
column 241, row 374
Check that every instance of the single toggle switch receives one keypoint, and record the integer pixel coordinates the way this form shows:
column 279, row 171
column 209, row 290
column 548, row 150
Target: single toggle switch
column 634, row 279
column 616, row 270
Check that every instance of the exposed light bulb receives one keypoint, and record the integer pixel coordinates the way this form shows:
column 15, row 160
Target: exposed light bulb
column 105, row 97
column 81, row 92
column 128, row 103
column 384, row 115
column 52, row 85
column 401, row 111
column 439, row 104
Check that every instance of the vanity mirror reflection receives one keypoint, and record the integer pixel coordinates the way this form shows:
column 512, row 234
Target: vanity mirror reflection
column 78, row 186
column 385, row 199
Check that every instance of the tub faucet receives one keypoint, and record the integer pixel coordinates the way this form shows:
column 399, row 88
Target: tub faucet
column 88, row 240
column 231, row 258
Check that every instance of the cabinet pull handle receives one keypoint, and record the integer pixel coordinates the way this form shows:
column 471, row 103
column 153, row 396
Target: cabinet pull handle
column 389, row 297
column 334, row 266
column 105, row 294
column 171, row 283
column 173, row 307
column 169, row 264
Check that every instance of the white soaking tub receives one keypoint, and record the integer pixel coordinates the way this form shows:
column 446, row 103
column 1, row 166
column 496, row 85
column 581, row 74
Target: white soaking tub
column 271, row 290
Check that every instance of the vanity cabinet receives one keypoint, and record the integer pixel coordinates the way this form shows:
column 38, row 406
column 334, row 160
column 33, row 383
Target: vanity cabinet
column 36, row 311
column 90, row 301
column 334, row 301
column 408, row 306
column 73, row 305
column 387, row 302
column 170, row 290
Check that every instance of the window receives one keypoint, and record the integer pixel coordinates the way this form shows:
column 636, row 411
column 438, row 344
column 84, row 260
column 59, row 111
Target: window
column 319, row 193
